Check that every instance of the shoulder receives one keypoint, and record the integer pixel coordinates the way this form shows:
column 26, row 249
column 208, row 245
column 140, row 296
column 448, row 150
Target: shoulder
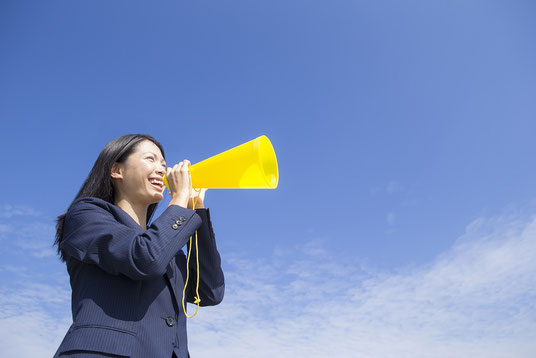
column 88, row 216
column 89, row 205
column 90, row 201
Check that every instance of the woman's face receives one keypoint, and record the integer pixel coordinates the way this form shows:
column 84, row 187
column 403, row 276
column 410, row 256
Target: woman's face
column 139, row 178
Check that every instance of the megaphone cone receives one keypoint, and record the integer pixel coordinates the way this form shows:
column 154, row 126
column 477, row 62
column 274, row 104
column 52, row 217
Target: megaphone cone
column 252, row 165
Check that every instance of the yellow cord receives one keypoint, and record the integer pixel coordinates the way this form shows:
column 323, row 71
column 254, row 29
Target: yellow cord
column 196, row 298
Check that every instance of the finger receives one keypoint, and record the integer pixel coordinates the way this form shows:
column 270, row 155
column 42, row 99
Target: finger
column 186, row 163
column 171, row 172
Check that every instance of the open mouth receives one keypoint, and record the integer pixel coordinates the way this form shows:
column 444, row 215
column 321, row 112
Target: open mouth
column 157, row 184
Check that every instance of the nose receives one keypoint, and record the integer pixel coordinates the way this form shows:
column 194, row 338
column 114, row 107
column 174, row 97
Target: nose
column 161, row 170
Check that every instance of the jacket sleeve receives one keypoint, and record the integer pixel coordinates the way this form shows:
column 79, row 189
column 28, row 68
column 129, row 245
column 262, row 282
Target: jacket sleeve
column 93, row 235
column 211, row 280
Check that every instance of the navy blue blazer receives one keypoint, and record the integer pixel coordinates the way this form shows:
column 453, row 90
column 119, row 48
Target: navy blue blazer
column 127, row 282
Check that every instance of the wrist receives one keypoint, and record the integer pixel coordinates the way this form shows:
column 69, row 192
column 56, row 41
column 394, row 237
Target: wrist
column 179, row 200
column 198, row 204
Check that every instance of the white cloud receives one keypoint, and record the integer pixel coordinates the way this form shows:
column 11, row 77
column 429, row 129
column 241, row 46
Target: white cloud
column 393, row 187
column 477, row 300
column 33, row 319
column 391, row 218
column 9, row 211
column 28, row 230
column 34, row 294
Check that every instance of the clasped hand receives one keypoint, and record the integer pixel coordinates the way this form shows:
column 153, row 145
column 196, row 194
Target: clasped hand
column 181, row 192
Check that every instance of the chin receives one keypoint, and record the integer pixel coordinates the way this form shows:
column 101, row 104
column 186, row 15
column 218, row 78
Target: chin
column 157, row 199
column 152, row 198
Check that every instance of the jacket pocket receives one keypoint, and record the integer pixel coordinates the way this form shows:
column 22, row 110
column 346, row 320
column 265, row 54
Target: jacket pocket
column 98, row 338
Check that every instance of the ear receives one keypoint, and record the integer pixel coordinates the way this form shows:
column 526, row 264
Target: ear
column 117, row 171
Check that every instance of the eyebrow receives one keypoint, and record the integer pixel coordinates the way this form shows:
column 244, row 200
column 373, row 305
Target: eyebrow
column 155, row 155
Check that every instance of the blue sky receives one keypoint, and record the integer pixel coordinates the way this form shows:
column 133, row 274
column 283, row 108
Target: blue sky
column 404, row 135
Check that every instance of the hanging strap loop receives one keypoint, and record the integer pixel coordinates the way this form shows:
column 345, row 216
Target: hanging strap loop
column 196, row 298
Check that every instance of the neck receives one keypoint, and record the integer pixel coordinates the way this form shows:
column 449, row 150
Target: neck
column 138, row 212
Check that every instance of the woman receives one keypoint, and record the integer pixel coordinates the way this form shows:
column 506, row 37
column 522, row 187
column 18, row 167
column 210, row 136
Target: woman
column 127, row 277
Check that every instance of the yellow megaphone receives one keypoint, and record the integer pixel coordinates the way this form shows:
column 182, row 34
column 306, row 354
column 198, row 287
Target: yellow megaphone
column 252, row 165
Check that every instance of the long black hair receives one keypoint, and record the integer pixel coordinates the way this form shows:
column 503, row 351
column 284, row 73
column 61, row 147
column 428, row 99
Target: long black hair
column 98, row 183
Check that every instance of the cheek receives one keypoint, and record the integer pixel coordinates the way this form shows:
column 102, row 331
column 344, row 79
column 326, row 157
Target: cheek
column 146, row 168
column 137, row 180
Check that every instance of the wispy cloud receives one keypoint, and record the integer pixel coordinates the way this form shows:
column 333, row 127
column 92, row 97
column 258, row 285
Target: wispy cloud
column 28, row 229
column 34, row 316
column 34, row 294
column 393, row 186
column 477, row 300
column 390, row 218
column 9, row 211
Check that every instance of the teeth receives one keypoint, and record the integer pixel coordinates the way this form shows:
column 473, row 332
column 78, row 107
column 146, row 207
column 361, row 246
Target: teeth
column 157, row 182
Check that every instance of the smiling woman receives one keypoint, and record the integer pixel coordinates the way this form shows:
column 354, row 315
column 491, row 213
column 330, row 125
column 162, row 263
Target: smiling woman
column 127, row 278
column 137, row 181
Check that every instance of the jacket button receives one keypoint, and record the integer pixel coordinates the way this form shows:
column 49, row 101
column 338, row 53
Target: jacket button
column 175, row 226
column 178, row 222
column 170, row 321
column 182, row 219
